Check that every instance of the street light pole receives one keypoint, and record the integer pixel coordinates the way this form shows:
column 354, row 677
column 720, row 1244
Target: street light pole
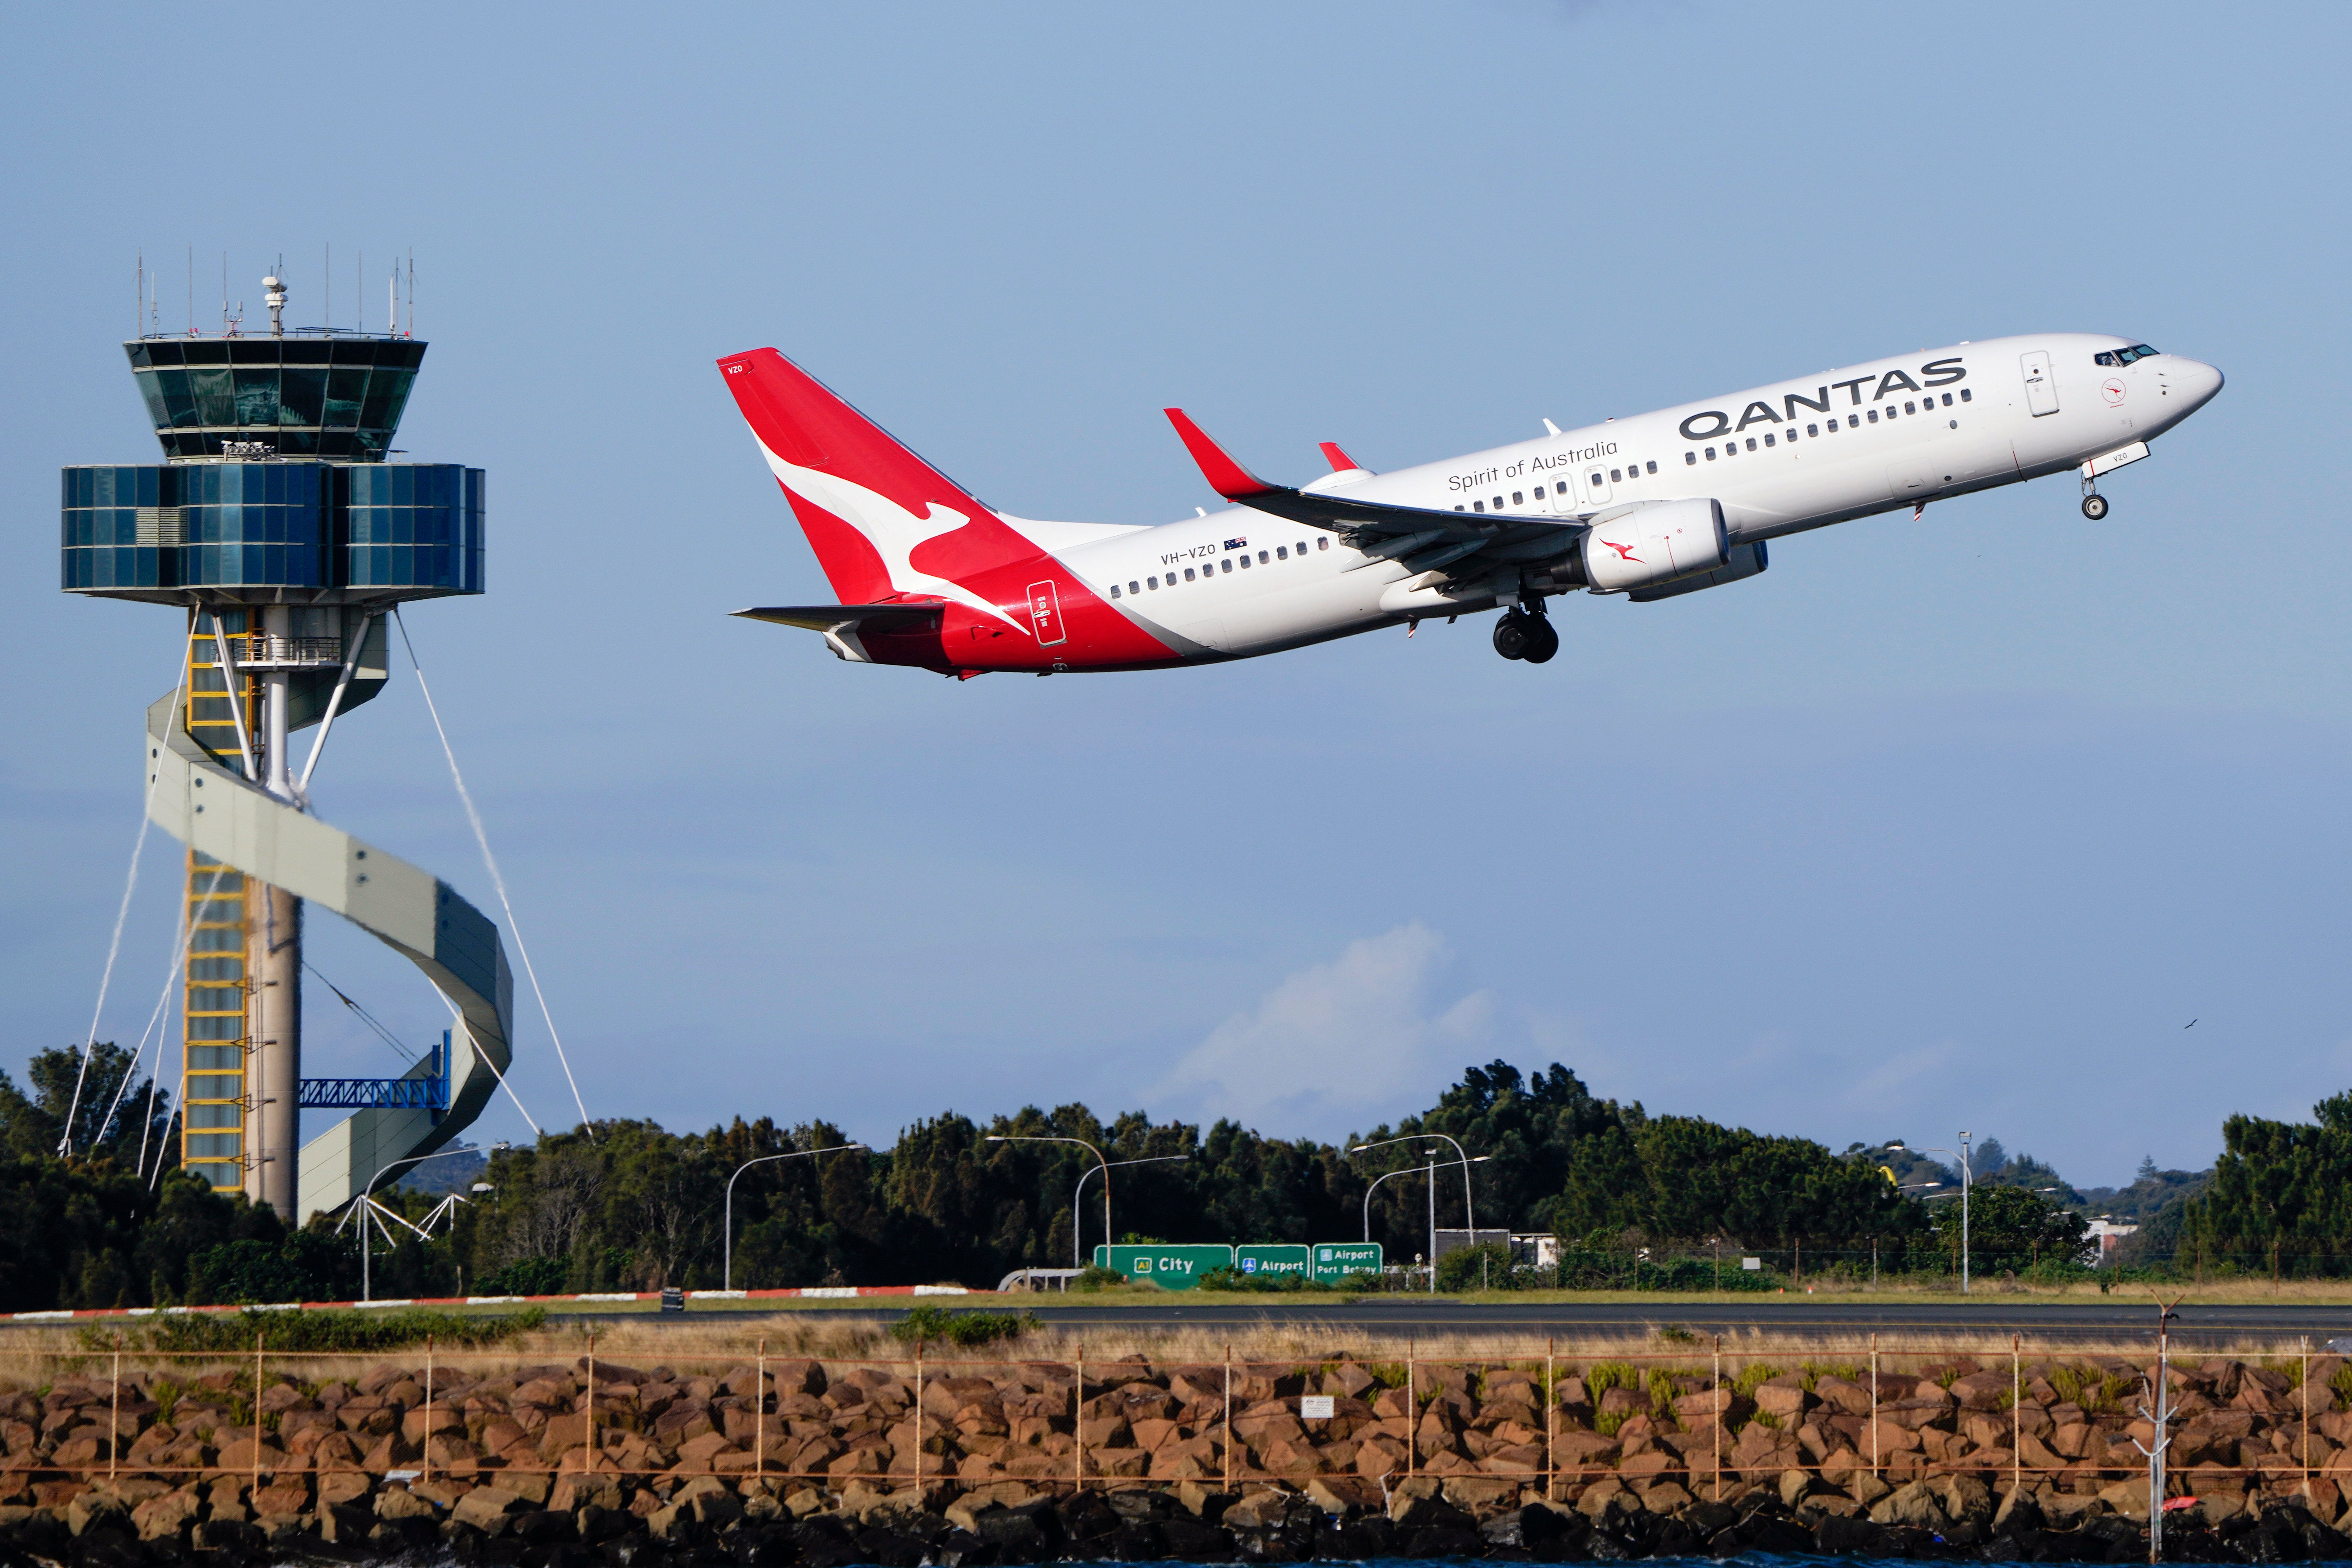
column 1074, row 1202
column 1077, row 1256
column 727, row 1224
column 1433, row 1222
column 1400, row 1170
column 1968, row 1179
column 1469, row 1214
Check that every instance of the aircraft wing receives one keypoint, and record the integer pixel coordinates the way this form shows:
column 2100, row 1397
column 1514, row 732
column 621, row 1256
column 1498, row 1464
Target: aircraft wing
column 1363, row 523
column 849, row 617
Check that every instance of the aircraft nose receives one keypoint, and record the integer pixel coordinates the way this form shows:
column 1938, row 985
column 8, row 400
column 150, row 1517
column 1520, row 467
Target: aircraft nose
column 2197, row 381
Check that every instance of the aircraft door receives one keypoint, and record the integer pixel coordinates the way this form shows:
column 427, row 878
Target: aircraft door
column 1563, row 496
column 1046, row 613
column 2041, row 392
column 1593, row 480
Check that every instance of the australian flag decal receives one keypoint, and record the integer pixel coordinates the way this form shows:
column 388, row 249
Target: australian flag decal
column 1237, row 544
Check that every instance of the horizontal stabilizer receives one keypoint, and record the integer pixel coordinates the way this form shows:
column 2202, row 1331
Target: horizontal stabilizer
column 901, row 617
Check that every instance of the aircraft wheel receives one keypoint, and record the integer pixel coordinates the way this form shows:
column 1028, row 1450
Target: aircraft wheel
column 1544, row 643
column 2094, row 506
column 1512, row 637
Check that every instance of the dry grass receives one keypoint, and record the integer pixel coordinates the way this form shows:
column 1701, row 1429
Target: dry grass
column 713, row 1345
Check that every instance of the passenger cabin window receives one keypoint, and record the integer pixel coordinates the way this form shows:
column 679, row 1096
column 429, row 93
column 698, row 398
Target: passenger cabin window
column 1478, row 505
column 1873, row 416
column 1323, row 541
column 1966, row 396
column 1539, row 491
column 1262, row 558
column 1653, row 467
column 1498, row 503
column 1692, row 457
column 1710, row 455
column 1853, row 422
column 1518, row 497
column 1813, row 430
column 1188, row 574
column 1947, row 399
column 1596, row 478
column 1245, row 561
column 1616, row 477
column 1282, row 552
column 1228, row 565
column 1751, row 444
column 1910, row 408
column 1768, row 438
column 1114, row 590
column 1154, row 582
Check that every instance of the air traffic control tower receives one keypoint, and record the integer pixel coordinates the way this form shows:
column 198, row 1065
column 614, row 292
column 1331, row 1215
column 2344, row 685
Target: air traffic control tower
column 283, row 534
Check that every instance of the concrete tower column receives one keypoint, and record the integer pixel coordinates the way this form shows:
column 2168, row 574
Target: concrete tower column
column 274, row 1067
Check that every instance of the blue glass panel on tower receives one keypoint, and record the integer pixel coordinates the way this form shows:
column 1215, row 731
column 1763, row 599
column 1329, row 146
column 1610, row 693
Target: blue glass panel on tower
column 230, row 531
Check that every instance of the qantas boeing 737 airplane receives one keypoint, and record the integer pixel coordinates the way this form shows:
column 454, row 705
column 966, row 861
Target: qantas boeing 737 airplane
column 1651, row 507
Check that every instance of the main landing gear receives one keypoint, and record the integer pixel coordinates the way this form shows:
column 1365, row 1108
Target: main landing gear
column 2094, row 506
column 1522, row 635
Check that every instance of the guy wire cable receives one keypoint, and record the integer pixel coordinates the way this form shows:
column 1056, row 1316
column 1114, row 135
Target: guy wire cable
column 498, row 879
column 365, row 1016
column 114, row 945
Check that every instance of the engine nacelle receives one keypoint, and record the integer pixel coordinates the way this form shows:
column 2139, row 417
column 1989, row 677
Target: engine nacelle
column 1652, row 545
column 1743, row 561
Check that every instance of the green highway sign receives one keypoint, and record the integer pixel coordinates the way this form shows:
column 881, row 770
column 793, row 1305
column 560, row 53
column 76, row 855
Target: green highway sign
column 1170, row 1268
column 1277, row 1259
column 1335, row 1260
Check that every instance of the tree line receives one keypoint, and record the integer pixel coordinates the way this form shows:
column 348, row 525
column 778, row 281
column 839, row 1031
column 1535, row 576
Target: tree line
column 627, row 1204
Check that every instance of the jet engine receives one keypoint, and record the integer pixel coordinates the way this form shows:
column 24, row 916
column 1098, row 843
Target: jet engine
column 1655, row 544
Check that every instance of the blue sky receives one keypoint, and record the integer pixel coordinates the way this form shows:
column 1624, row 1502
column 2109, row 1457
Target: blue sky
column 1939, row 824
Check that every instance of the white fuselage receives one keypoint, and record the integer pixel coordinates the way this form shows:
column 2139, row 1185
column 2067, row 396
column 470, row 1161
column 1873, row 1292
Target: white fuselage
column 1779, row 459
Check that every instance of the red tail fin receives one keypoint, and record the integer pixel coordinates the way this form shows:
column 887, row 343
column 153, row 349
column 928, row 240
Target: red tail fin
column 864, row 500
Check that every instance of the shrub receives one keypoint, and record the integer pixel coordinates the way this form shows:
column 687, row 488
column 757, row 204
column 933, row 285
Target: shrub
column 361, row 1332
column 965, row 1328
column 1487, row 1266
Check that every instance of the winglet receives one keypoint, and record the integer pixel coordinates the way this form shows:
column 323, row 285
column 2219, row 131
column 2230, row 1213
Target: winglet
column 1340, row 462
column 1225, row 476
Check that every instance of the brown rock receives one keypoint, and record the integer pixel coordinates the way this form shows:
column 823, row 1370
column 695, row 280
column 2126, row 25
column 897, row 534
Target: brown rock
column 1851, row 1398
column 397, row 1503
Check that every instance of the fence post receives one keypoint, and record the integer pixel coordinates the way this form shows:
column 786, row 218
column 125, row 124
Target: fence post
column 2304, row 1395
column 257, row 1338
column 1078, row 1425
column 2016, row 1417
column 759, row 1417
column 588, row 1403
column 425, row 1447
column 1873, row 1404
column 1551, row 1423
column 1411, row 1417
column 1229, row 1419
column 918, row 1418
column 114, row 1421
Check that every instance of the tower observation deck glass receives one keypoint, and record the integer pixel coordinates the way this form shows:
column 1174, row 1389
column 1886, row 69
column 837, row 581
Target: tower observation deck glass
column 303, row 395
column 272, row 532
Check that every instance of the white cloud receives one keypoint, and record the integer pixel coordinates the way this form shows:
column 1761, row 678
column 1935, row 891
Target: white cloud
column 1356, row 1037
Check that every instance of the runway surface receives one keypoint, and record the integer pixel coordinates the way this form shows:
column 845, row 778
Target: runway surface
column 1843, row 1321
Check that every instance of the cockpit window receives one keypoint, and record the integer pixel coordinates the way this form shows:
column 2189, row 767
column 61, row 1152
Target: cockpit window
column 2124, row 356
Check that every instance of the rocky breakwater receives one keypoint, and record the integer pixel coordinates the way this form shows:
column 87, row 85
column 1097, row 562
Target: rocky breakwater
column 794, row 1461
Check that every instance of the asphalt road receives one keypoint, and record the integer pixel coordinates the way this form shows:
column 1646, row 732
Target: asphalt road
column 1843, row 1321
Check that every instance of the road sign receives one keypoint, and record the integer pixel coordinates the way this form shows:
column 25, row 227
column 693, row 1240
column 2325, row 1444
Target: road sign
column 1170, row 1268
column 1335, row 1260
column 1276, row 1260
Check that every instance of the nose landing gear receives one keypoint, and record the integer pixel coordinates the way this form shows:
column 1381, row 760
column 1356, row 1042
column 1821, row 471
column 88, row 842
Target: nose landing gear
column 2094, row 506
column 1521, row 636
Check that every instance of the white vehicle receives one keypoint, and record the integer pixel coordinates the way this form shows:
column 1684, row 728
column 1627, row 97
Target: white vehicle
column 1649, row 507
